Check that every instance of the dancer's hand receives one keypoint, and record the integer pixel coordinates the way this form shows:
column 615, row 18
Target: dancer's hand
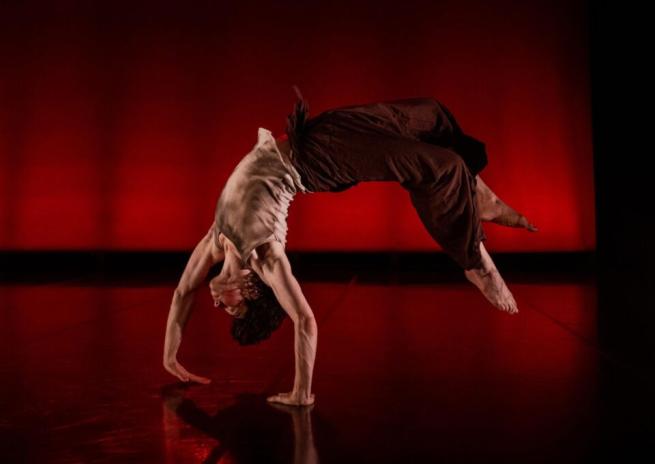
column 292, row 398
column 180, row 372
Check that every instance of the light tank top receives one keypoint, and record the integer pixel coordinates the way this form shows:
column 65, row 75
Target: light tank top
column 253, row 206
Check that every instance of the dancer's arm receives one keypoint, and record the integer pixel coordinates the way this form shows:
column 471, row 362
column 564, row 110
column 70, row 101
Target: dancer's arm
column 204, row 256
column 274, row 268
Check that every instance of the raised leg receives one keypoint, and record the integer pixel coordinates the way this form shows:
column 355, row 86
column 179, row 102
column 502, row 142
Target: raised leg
column 445, row 200
column 493, row 209
column 489, row 281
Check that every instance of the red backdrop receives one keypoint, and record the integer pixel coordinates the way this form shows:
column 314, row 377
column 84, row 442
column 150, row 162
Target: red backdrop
column 119, row 124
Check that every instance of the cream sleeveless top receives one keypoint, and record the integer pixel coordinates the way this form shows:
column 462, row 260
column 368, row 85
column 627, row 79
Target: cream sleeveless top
column 253, row 206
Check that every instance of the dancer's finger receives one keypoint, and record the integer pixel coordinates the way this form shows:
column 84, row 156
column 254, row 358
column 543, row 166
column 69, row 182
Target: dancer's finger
column 200, row 379
column 187, row 376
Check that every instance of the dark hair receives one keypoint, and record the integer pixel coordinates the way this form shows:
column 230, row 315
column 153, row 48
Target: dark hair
column 264, row 315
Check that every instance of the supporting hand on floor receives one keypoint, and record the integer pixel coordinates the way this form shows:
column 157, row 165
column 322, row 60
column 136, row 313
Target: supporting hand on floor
column 292, row 398
column 180, row 372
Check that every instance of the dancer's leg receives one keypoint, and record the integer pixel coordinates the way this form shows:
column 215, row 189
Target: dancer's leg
column 341, row 148
column 443, row 194
column 444, row 199
column 495, row 210
column 491, row 284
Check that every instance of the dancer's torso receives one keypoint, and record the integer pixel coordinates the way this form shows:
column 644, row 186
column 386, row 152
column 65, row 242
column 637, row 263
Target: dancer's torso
column 253, row 205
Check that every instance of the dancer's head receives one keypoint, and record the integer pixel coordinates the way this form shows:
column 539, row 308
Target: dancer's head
column 252, row 303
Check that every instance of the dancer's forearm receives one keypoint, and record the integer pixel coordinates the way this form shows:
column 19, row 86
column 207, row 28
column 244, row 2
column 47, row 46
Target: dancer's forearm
column 203, row 257
column 305, row 338
column 178, row 317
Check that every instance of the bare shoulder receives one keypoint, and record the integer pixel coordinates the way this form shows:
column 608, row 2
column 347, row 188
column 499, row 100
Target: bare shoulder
column 276, row 272
column 265, row 255
column 270, row 250
column 215, row 243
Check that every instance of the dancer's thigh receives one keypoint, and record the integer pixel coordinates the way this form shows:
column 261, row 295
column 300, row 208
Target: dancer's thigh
column 422, row 119
column 387, row 158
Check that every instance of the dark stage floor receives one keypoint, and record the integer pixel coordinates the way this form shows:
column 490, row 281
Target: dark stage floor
column 405, row 372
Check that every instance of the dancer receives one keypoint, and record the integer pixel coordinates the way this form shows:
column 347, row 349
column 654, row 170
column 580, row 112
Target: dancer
column 415, row 142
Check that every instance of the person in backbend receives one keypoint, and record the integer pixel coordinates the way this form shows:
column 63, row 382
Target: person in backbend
column 415, row 142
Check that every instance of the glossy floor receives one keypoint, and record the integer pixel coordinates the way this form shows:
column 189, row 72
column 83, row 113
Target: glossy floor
column 404, row 373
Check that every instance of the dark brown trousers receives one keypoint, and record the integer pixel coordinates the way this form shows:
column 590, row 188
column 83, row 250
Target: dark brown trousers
column 415, row 142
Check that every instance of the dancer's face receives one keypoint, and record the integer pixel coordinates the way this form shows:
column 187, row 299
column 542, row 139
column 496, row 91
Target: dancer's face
column 233, row 303
column 230, row 291
column 230, row 298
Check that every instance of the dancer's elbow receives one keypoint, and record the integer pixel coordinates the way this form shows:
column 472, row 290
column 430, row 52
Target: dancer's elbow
column 182, row 291
column 306, row 323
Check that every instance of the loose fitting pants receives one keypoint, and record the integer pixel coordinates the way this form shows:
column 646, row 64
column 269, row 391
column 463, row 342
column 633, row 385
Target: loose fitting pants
column 415, row 142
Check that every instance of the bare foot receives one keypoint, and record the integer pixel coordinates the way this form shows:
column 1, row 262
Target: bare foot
column 493, row 209
column 507, row 216
column 491, row 284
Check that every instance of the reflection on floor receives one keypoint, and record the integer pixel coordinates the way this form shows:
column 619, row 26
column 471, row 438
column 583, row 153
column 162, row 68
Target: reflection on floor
column 404, row 373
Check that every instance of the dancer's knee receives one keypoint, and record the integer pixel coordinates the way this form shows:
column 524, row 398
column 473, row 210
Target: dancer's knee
column 449, row 163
